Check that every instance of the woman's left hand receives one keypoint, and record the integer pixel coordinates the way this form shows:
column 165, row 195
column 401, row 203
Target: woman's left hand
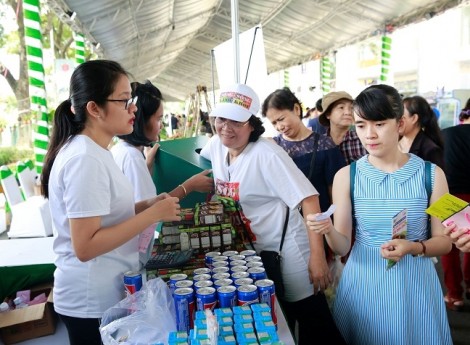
column 395, row 249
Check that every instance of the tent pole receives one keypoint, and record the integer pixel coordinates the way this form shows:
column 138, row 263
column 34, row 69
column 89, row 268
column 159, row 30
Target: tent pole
column 235, row 36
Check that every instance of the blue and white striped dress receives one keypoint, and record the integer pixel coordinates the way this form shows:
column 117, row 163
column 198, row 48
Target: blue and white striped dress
column 402, row 305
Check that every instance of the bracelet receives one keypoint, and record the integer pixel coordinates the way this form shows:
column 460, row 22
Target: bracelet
column 424, row 248
column 184, row 189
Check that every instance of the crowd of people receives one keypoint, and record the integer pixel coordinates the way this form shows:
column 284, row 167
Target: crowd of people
column 365, row 155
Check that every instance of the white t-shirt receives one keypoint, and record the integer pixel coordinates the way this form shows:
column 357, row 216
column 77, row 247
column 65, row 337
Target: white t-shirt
column 131, row 162
column 265, row 179
column 86, row 182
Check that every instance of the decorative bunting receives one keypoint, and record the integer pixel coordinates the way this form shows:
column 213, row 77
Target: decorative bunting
column 79, row 48
column 385, row 61
column 325, row 74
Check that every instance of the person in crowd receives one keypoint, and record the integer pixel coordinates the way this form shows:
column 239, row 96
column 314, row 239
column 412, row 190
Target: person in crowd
column 91, row 201
column 420, row 131
column 378, row 303
column 457, row 163
column 264, row 181
column 174, row 124
column 338, row 118
column 137, row 164
column 284, row 110
column 313, row 123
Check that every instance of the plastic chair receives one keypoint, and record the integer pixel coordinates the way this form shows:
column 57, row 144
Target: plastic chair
column 27, row 177
column 30, row 217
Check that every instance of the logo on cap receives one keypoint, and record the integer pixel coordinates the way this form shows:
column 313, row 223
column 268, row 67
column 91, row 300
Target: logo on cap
column 236, row 98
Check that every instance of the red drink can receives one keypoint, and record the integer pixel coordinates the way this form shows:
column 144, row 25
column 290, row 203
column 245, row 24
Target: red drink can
column 132, row 282
column 267, row 294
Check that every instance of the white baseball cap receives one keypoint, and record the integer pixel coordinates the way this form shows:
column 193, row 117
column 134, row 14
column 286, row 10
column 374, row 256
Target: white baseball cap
column 237, row 102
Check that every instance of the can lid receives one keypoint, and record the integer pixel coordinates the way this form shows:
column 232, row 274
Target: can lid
column 226, row 288
column 131, row 274
column 256, row 270
column 247, row 288
column 183, row 291
column 264, row 282
column 205, row 291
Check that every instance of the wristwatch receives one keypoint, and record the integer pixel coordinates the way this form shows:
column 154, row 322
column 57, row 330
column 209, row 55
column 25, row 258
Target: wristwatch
column 424, row 248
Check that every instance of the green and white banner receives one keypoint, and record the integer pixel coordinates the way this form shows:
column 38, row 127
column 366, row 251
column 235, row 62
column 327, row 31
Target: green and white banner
column 325, row 74
column 385, row 58
column 79, row 48
column 37, row 88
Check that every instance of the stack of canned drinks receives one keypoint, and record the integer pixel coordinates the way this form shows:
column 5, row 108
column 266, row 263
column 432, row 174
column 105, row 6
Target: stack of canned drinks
column 229, row 279
column 240, row 325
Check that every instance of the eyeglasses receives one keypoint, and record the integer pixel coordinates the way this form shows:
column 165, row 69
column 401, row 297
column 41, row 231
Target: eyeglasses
column 222, row 122
column 127, row 102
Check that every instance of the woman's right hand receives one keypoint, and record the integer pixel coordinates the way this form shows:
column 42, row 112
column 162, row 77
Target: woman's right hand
column 460, row 237
column 321, row 227
column 167, row 209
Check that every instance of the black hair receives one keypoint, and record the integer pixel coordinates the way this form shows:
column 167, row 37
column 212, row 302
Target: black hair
column 318, row 105
column 150, row 99
column 258, row 128
column 91, row 81
column 465, row 113
column 378, row 103
column 281, row 99
column 427, row 119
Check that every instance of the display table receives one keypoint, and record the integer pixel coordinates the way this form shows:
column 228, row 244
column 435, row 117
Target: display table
column 25, row 262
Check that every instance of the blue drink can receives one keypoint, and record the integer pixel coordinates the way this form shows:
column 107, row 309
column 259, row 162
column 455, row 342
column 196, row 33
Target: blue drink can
column 251, row 264
column 257, row 273
column 132, row 282
column 267, row 294
column 243, row 281
column 202, row 270
column 202, row 284
column 183, row 284
column 217, row 264
column 209, row 258
column 252, row 258
column 247, row 294
column 218, row 276
column 235, row 269
column 227, row 296
column 230, row 253
column 237, row 263
column 206, row 298
column 185, row 309
column 223, row 269
column 222, row 282
column 238, row 275
column 174, row 278
column 200, row 277
column 247, row 253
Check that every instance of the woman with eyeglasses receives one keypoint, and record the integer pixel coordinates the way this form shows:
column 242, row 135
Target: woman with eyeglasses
column 137, row 163
column 268, row 188
column 92, row 202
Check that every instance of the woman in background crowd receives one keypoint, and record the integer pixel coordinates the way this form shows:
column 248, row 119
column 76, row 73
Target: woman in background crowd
column 284, row 111
column 375, row 303
column 265, row 182
column 457, row 162
column 337, row 116
column 420, row 131
column 91, row 201
column 138, row 167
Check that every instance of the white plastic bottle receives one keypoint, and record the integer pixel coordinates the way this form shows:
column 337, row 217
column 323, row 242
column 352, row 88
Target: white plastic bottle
column 4, row 307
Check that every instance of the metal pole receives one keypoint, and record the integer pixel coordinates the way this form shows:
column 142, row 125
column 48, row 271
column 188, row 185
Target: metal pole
column 236, row 46
column 212, row 74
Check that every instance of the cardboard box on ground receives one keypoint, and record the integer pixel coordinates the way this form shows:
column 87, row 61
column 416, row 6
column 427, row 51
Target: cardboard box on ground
column 31, row 322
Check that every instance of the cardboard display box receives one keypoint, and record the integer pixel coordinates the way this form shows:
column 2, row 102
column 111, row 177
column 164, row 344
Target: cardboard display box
column 31, row 322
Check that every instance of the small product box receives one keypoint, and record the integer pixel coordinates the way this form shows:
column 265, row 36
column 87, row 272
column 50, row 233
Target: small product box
column 31, row 322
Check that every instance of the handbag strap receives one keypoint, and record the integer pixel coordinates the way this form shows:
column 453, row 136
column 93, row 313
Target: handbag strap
column 316, row 136
column 284, row 230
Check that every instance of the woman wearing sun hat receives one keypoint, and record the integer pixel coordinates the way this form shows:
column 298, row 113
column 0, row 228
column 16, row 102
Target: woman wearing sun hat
column 338, row 117
column 265, row 182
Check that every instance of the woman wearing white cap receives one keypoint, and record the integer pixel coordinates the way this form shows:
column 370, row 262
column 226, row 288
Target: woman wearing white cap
column 261, row 177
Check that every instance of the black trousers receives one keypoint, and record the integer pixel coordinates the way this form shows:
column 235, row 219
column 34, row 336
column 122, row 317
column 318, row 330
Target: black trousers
column 82, row 331
column 314, row 319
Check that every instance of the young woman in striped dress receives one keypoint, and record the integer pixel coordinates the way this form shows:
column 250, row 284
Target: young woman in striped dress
column 375, row 304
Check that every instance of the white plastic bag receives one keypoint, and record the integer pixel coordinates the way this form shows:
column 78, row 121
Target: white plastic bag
column 145, row 317
column 336, row 269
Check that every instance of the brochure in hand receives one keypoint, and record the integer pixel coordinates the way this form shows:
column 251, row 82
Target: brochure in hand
column 450, row 209
column 399, row 230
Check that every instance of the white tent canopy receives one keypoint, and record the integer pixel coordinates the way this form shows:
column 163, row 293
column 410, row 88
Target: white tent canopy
column 169, row 41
